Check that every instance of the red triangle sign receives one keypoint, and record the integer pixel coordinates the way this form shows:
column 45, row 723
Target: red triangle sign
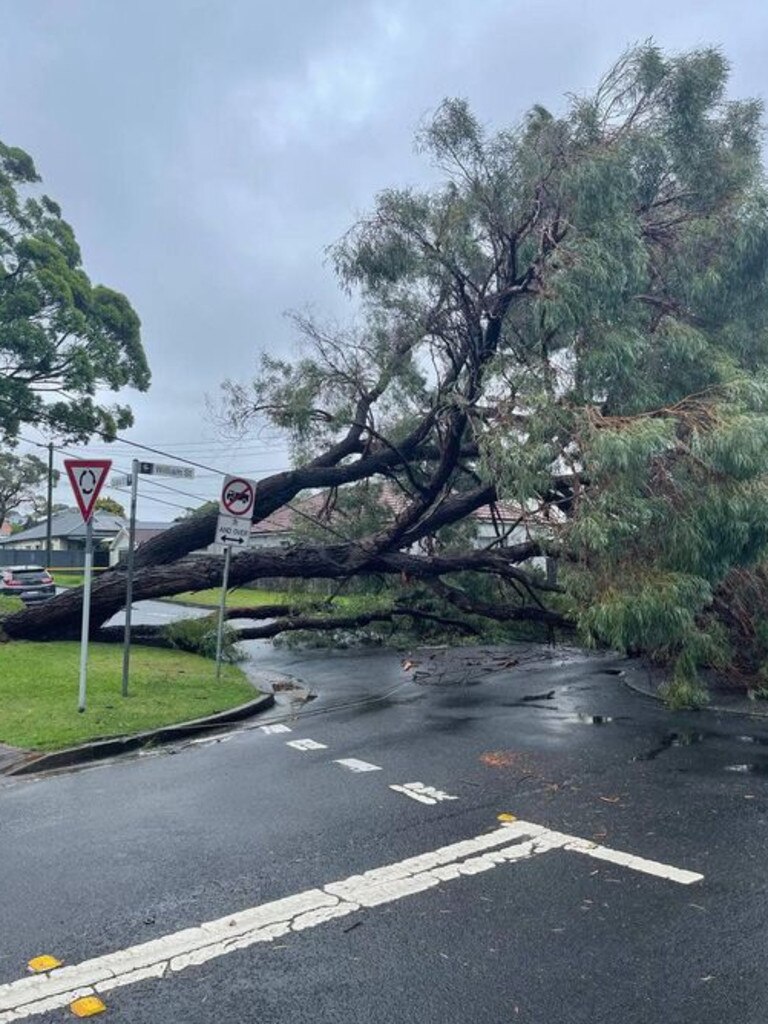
column 87, row 477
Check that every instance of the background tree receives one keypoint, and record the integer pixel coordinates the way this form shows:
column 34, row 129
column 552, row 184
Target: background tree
column 574, row 321
column 61, row 337
column 110, row 505
column 20, row 478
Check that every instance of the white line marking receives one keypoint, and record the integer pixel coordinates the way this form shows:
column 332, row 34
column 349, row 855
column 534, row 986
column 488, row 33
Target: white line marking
column 357, row 766
column 424, row 794
column 269, row 729
column 305, row 745
column 158, row 958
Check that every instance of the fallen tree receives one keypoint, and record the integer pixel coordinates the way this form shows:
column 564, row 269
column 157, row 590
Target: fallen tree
column 571, row 331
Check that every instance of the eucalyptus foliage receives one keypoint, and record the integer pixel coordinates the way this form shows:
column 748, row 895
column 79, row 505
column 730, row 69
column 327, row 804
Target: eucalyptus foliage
column 607, row 268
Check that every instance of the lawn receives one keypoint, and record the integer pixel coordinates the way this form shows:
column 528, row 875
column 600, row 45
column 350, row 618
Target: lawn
column 244, row 598
column 39, row 682
column 9, row 604
column 72, row 577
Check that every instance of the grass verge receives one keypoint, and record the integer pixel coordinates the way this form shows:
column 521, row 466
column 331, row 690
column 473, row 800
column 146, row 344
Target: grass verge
column 72, row 577
column 38, row 692
column 244, row 598
column 9, row 605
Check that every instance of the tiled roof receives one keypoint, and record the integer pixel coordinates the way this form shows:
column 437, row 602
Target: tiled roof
column 282, row 521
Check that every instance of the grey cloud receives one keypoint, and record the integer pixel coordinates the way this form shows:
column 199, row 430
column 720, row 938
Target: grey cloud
column 206, row 151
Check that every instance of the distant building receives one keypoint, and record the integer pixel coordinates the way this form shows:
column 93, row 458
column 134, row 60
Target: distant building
column 67, row 533
column 504, row 523
column 118, row 546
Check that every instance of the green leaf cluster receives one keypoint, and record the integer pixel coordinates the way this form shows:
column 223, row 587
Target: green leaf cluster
column 62, row 338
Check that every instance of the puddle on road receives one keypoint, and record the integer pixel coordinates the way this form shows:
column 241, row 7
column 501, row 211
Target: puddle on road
column 689, row 738
column 748, row 769
column 760, row 740
column 445, row 723
column 582, row 719
column 671, row 739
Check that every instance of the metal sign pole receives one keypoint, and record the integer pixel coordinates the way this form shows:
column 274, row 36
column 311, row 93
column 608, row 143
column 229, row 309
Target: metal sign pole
column 222, row 608
column 86, row 612
column 49, row 510
column 129, row 576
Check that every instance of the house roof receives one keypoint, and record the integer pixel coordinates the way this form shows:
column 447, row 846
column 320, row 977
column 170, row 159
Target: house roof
column 282, row 520
column 144, row 531
column 315, row 506
column 69, row 525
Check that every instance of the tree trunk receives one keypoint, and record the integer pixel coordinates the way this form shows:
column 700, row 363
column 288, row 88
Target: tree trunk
column 60, row 618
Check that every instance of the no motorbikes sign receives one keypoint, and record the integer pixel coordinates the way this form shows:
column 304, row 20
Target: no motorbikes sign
column 238, row 496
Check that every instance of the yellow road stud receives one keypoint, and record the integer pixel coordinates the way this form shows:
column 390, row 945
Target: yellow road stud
column 43, row 963
column 88, row 1006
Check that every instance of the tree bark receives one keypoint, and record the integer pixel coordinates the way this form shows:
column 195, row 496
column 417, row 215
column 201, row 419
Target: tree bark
column 60, row 617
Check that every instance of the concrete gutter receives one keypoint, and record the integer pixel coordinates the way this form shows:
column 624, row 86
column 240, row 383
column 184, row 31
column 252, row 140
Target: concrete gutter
column 639, row 682
column 96, row 750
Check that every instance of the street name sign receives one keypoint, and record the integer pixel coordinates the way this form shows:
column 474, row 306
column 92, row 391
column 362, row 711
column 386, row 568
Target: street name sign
column 166, row 469
column 87, row 477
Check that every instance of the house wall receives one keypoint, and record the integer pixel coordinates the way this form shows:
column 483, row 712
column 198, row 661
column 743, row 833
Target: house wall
column 57, row 544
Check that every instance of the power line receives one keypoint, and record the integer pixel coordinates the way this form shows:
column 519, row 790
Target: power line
column 122, row 490
column 218, row 472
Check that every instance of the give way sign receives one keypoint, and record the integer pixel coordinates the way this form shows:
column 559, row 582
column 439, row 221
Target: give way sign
column 238, row 497
column 87, row 477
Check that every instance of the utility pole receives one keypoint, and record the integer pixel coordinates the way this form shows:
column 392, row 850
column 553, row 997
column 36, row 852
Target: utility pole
column 49, row 523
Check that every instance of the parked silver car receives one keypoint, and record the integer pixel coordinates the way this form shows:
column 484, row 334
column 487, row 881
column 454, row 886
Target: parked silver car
column 29, row 582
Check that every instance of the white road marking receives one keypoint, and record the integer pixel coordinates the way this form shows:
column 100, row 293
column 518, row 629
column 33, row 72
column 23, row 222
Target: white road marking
column 357, row 766
column 158, row 958
column 306, row 745
column 424, row 794
column 269, row 729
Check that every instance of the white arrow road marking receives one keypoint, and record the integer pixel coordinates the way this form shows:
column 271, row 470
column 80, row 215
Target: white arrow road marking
column 306, row 745
column 357, row 766
column 165, row 956
column 424, row 794
column 269, row 729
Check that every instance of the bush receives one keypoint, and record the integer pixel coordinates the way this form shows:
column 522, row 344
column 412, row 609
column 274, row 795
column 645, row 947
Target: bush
column 199, row 637
column 683, row 694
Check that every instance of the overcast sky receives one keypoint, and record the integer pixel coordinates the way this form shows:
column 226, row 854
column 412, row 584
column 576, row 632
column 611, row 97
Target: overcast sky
column 207, row 151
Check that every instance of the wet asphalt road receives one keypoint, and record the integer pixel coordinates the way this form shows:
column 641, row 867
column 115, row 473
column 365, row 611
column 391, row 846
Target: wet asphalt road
column 105, row 858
